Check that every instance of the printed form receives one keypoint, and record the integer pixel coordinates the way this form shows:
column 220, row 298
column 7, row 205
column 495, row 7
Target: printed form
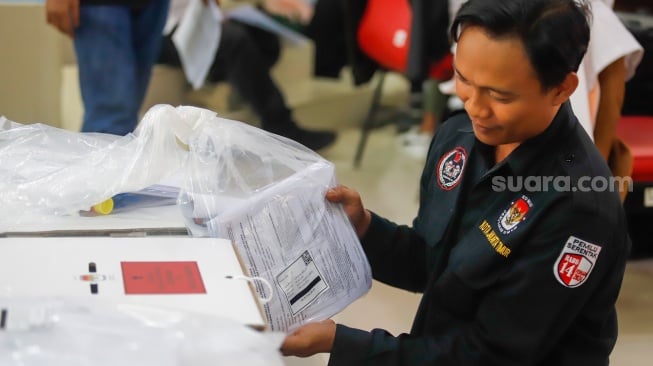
column 302, row 244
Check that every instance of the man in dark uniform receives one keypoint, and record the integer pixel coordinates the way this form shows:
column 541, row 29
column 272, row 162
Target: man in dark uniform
column 518, row 249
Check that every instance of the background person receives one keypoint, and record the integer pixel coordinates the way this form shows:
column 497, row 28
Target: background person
column 612, row 57
column 116, row 44
column 244, row 58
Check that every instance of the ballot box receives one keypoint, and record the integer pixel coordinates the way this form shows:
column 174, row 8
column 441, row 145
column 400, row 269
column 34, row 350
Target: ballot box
column 197, row 275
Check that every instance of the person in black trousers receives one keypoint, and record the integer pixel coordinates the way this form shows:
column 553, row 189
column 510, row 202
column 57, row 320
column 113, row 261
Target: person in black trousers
column 244, row 59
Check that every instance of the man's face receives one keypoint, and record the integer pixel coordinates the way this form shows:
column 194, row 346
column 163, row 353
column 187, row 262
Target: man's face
column 500, row 89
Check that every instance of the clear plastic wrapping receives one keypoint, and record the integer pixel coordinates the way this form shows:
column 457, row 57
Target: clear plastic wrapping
column 54, row 332
column 262, row 191
column 266, row 194
column 46, row 171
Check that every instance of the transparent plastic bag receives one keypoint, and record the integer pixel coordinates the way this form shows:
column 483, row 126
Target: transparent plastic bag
column 55, row 332
column 46, row 171
column 262, row 191
column 267, row 195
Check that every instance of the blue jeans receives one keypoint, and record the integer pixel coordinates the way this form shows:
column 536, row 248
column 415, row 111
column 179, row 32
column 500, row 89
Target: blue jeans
column 116, row 47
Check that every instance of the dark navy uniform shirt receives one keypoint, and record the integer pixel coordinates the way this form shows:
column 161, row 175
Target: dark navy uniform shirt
column 520, row 262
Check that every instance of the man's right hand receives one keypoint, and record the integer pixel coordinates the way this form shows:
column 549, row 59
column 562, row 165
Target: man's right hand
column 359, row 217
column 63, row 15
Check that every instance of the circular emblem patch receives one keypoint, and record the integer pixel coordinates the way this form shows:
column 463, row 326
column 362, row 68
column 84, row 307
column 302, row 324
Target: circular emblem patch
column 450, row 168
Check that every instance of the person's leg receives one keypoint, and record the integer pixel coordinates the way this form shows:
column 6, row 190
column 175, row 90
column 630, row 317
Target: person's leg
column 242, row 64
column 269, row 49
column 417, row 140
column 168, row 54
column 147, row 27
column 434, row 104
column 246, row 67
column 267, row 43
column 106, row 69
column 413, row 113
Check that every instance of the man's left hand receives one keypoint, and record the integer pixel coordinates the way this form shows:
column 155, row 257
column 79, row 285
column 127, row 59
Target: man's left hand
column 310, row 339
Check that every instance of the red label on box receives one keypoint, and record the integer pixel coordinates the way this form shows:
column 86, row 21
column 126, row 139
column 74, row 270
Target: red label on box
column 162, row 278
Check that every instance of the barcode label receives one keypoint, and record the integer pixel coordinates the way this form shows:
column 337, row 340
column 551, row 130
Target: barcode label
column 3, row 318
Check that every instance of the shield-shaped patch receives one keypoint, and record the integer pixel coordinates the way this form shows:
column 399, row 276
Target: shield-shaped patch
column 576, row 261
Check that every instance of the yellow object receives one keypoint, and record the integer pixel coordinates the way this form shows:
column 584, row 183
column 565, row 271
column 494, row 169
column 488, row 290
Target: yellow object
column 104, row 208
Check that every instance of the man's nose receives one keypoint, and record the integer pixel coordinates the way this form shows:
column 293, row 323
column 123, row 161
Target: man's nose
column 476, row 106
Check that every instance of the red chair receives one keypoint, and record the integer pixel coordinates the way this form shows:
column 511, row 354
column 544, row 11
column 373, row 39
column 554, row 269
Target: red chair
column 383, row 34
column 637, row 133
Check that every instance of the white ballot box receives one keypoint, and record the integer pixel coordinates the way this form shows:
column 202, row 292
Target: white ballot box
column 198, row 275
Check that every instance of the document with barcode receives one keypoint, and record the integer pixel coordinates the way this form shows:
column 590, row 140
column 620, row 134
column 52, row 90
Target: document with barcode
column 302, row 244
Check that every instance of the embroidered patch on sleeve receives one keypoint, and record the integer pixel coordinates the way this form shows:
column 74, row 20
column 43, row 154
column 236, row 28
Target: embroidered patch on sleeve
column 450, row 168
column 576, row 261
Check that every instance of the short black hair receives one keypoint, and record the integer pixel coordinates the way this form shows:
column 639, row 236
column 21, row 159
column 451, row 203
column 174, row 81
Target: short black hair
column 555, row 33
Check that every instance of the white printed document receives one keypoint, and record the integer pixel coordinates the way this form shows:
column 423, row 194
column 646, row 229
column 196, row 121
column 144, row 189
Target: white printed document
column 249, row 14
column 197, row 39
column 302, row 244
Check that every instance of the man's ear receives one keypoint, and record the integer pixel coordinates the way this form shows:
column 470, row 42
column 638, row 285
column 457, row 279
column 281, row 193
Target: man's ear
column 563, row 91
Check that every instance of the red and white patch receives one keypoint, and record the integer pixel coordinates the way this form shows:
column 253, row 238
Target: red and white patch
column 513, row 215
column 450, row 168
column 575, row 262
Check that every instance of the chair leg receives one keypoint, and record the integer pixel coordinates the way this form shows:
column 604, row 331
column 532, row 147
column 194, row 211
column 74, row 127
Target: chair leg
column 370, row 122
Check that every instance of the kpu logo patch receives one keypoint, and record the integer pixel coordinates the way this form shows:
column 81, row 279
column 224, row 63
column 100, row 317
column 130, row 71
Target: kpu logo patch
column 575, row 262
column 513, row 215
column 450, row 168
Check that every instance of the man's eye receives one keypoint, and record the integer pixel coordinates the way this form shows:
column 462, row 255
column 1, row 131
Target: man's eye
column 502, row 98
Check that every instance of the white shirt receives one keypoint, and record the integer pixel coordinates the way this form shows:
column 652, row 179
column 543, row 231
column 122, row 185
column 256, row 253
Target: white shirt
column 609, row 41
